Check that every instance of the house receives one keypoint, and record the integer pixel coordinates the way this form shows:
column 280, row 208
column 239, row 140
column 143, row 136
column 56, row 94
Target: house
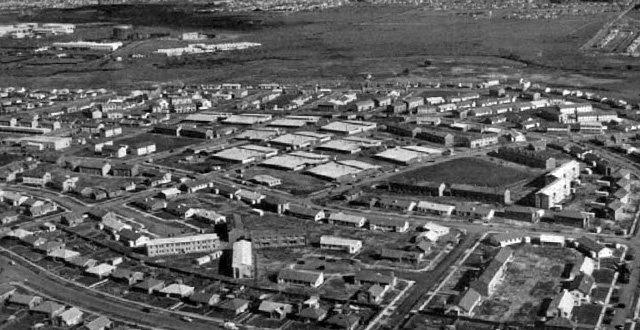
column 50, row 247
column 523, row 213
column 100, row 323
column 344, row 321
column 373, row 277
column 298, row 277
column 351, row 246
column 150, row 285
column 372, row 294
column 150, row 204
column 36, row 178
column 581, row 287
column 49, row 308
column 94, row 168
column 82, row 262
column 127, row 276
column 101, row 271
column 64, row 184
column 401, row 255
column 235, row 306
column 99, row 214
column 466, row 303
column 395, row 204
column 204, row 298
column 587, row 266
column 347, row 220
column 70, row 317
column 435, row 208
column 305, row 212
column 313, row 314
column 561, row 306
column 178, row 290
column 24, row 300
column 506, row 239
column 393, row 225
column 124, row 169
column 274, row 310
column 592, row 249
column 250, row 197
column 194, row 186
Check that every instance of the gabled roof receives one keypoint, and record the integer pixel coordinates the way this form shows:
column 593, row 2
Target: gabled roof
column 48, row 307
column 70, row 314
column 582, row 283
column 312, row 313
column 234, row 304
column 150, row 283
column 469, row 299
column 589, row 244
column 373, row 276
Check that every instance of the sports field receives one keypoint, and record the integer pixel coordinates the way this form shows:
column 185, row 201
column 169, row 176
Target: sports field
column 471, row 171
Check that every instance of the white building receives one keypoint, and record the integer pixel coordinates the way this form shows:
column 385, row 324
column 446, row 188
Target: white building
column 338, row 243
column 183, row 245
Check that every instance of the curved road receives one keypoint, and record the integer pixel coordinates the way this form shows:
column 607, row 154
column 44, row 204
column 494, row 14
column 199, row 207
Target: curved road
column 95, row 302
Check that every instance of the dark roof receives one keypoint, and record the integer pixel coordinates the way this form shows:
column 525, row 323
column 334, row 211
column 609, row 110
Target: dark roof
column 298, row 275
column 233, row 304
column 469, row 299
column 582, row 283
column 589, row 244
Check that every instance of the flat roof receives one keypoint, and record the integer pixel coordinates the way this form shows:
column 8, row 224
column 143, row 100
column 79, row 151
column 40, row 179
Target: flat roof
column 288, row 122
column 292, row 161
column 341, row 145
column 403, row 155
column 254, row 134
column 238, row 154
column 247, row 119
column 334, row 170
column 349, row 126
column 293, row 139
column 183, row 239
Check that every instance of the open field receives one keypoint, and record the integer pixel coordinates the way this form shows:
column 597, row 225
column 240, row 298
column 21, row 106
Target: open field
column 466, row 171
column 162, row 142
column 340, row 44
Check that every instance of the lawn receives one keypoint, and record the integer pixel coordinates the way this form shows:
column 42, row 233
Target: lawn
column 473, row 171
column 296, row 183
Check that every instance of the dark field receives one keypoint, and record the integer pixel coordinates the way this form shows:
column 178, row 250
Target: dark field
column 466, row 171
column 342, row 44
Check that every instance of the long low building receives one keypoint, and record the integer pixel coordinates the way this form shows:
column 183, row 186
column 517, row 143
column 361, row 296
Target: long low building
column 46, row 142
column 409, row 154
column 347, row 170
column 245, row 154
column 295, row 161
column 338, row 243
column 349, row 127
column 183, row 245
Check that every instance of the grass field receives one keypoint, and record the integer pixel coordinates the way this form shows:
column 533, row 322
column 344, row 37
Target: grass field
column 472, row 171
column 341, row 44
column 162, row 142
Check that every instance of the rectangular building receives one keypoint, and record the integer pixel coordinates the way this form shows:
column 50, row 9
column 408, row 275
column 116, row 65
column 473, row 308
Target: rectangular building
column 183, row 245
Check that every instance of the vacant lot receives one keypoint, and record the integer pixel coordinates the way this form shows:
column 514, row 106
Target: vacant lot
column 472, row 171
column 533, row 276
